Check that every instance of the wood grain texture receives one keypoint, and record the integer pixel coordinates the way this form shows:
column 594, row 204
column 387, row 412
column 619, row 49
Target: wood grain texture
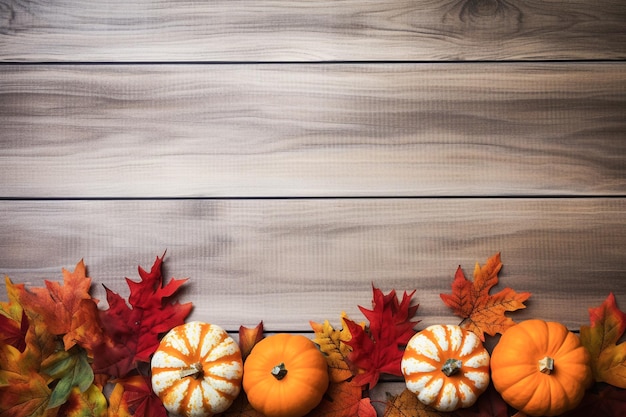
column 313, row 130
column 290, row 261
column 311, row 30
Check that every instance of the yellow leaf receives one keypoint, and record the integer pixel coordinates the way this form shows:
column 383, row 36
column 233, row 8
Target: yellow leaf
column 332, row 343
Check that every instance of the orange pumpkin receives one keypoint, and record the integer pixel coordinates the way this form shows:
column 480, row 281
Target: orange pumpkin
column 197, row 370
column 285, row 376
column 446, row 366
column 540, row 368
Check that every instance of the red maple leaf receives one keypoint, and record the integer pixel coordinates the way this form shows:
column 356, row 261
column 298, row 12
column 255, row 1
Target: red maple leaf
column 134, row 396
column 134, row 330
column 377, row 349
column 14, row 333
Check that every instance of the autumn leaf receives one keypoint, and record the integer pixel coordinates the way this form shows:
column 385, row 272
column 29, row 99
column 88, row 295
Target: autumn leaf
column 248, row 337
column 72, row 370
column 13, row 332
column 67, row 309
column 344, row 400
column 25, row 391
column 406, row 404
column 377, row 349
column 332, row 343
column 26, row 396
column 608, row 359
column 481, row 312
column 13, row 318
column 133, row 331
column 604, row 401
column 88, row 403
column 133, row 396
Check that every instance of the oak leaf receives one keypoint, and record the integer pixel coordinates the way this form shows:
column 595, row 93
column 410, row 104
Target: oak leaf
column 608, row 359
column 482, row 312
column 406, row 404
column 379, row 348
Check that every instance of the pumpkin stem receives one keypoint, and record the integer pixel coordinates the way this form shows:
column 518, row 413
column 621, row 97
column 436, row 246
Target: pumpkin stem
column 451, row 366
column 279, row 371
column 546, row 365
column 194, row 370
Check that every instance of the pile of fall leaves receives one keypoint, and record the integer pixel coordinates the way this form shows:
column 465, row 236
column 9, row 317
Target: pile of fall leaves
column 62, row 355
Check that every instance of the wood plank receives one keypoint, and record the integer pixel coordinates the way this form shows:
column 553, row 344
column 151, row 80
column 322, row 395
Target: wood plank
column 313, row 130
column 287, row 30
column 290, row 261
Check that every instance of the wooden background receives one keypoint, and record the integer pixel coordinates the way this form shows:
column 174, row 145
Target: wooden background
column 290, row 154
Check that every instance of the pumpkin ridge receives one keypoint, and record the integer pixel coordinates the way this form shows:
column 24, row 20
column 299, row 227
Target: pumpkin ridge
column 172, row 352
column 204, row 356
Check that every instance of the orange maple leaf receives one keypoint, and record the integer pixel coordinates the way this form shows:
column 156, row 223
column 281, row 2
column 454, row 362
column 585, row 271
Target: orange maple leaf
column 66, row 309
column 481, row 312
column 608, row 359
column 344, row 399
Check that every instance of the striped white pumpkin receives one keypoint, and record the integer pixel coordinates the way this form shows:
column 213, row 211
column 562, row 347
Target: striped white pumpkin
column 197, row 370
column 446, row 366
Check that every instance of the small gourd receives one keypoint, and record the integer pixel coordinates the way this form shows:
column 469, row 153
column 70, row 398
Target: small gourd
column 197, row 370
column 447, row 367
column 540, row 368
column 285, row 376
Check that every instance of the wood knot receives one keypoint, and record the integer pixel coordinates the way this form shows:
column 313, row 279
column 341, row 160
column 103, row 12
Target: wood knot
column 494, row 17
column 483, row 8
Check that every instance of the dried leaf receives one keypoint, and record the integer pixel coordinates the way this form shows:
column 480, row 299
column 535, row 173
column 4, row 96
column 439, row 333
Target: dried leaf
column 379, row 349
column 344, row 400
column 481, row 312
column 406, row 404
column 608, row 359
column 248, row 337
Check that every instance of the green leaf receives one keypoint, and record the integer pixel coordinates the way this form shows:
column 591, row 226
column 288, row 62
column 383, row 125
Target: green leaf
column 72, row 371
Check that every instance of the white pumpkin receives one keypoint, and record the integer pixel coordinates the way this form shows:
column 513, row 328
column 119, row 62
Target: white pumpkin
column 197, row 370
column 446, row 366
